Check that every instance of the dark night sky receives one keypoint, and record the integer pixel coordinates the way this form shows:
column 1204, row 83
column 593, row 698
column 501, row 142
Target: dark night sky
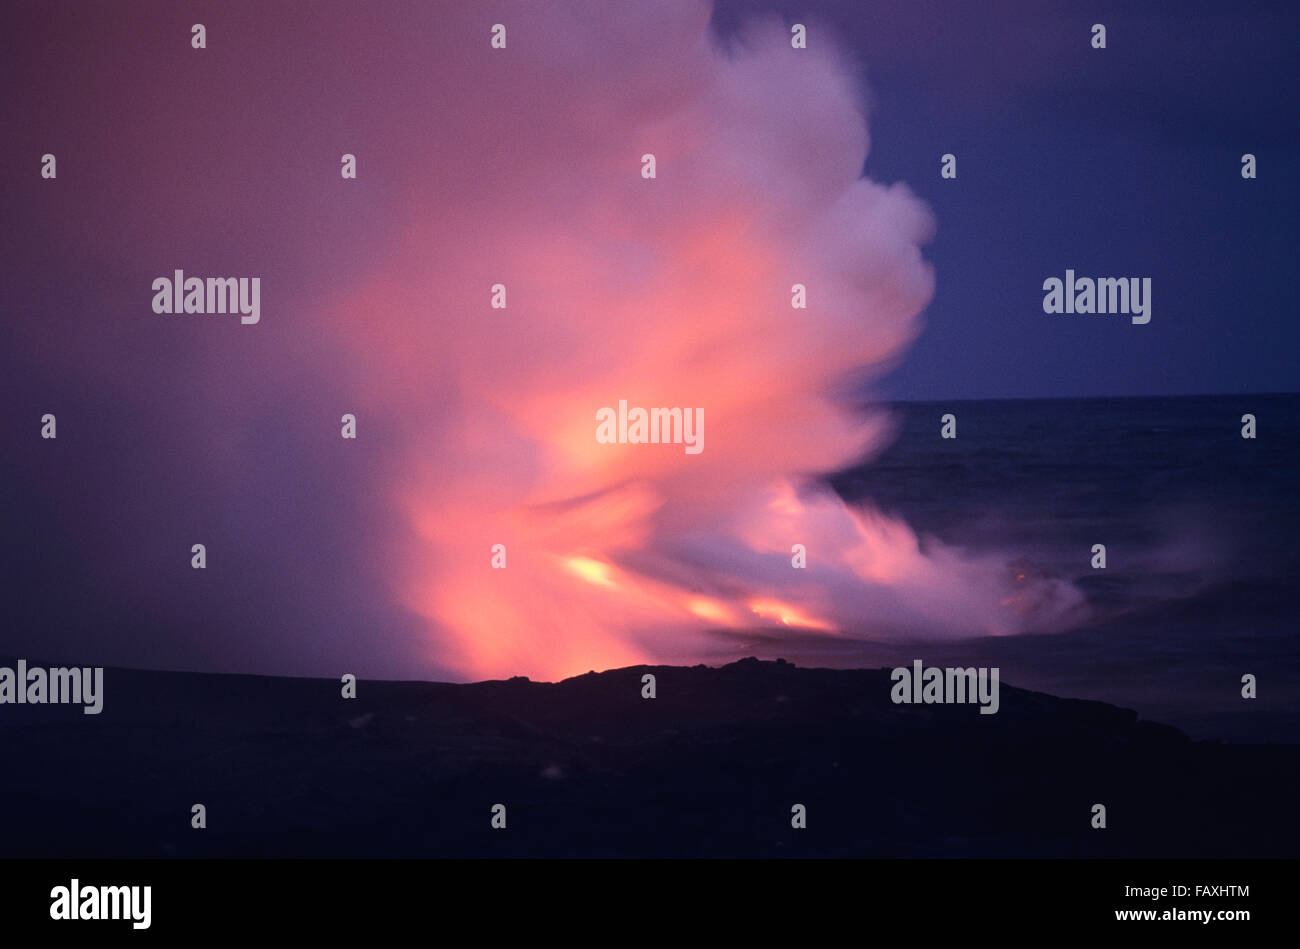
column 1123, row 161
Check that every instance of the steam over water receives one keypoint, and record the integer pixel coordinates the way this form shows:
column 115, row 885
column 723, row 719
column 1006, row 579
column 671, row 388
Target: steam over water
column 671, row 292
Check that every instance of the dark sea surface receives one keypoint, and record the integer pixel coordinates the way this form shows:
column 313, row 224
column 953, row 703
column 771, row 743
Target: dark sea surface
column 1200, row 527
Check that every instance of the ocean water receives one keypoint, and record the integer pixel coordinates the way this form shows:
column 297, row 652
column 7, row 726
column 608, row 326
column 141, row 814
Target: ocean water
column 1200, row 525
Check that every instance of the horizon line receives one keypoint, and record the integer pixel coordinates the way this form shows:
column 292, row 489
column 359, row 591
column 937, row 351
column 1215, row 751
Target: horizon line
column 878, row 398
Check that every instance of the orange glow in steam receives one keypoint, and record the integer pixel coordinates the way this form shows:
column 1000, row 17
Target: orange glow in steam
column 671, row 293
column 787, row 615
